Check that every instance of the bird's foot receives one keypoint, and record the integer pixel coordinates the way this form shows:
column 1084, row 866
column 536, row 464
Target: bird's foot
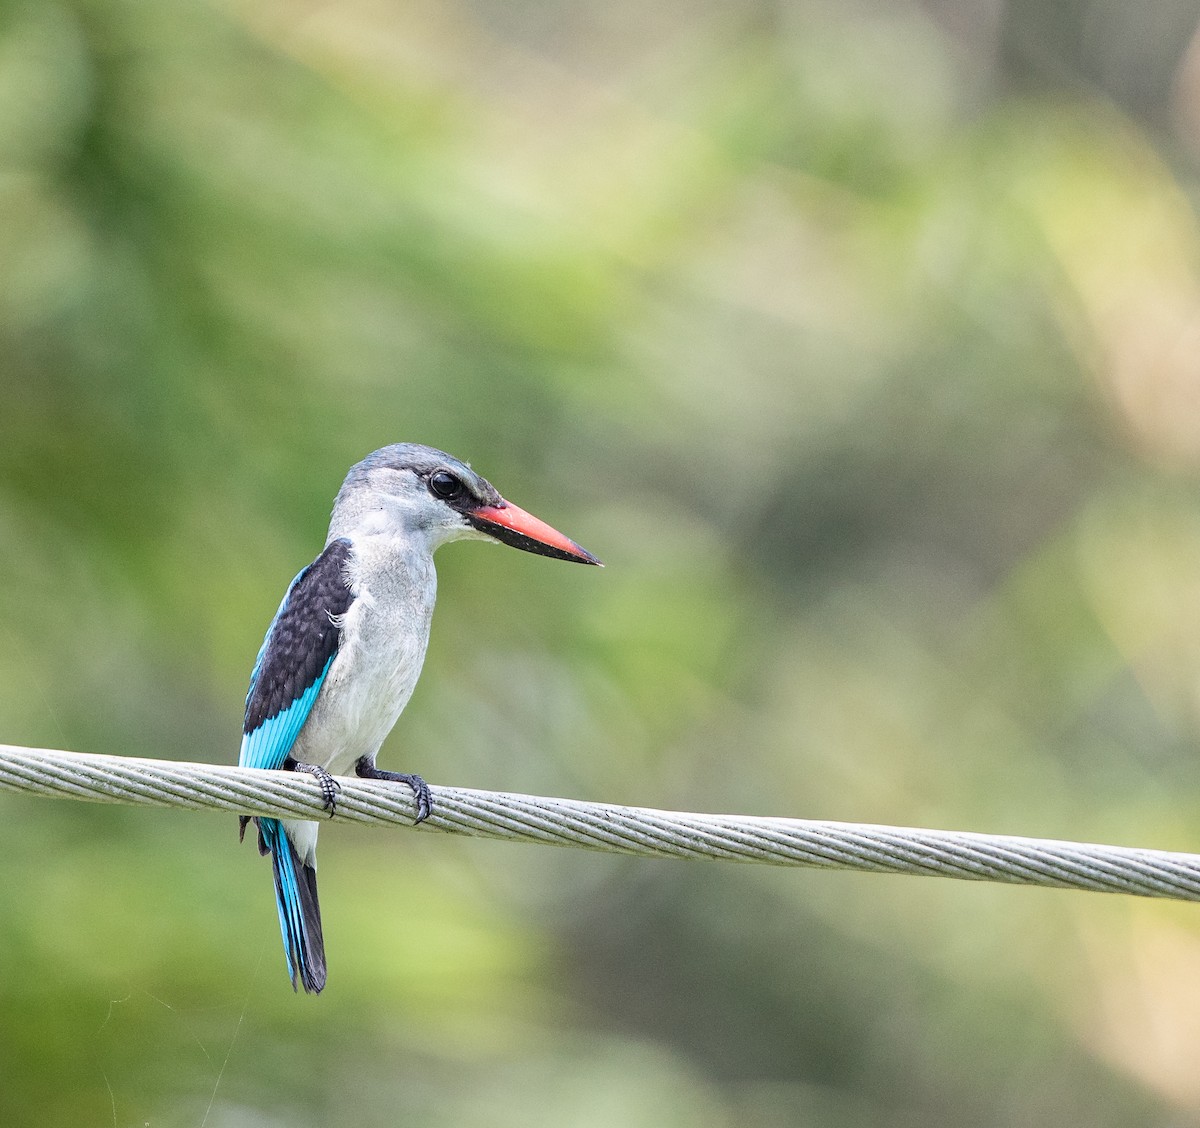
column 329, row 786
column 365, row 769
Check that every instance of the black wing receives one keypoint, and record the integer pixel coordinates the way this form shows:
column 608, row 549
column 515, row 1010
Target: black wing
column 295, row 657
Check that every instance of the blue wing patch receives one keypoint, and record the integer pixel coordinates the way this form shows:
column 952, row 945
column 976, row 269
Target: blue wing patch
column 268, row 745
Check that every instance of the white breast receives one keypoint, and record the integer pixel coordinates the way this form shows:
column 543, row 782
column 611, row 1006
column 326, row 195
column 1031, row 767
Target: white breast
column 383, row 639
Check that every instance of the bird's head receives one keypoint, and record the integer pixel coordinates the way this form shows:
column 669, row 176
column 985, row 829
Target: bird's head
column 425, row 494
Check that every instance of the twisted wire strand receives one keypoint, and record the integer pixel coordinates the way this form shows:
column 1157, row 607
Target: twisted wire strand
column 601, row 826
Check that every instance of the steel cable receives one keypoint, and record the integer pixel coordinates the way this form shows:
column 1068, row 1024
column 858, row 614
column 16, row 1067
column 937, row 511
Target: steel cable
column 602, row 826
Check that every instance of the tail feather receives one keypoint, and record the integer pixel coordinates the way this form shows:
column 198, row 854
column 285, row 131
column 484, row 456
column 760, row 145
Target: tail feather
column 299, row 910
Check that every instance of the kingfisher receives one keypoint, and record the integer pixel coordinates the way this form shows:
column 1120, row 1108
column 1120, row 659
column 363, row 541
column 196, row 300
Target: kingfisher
column 342, row 655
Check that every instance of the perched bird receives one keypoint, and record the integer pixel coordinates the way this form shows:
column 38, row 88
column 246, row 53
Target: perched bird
column 345, row 648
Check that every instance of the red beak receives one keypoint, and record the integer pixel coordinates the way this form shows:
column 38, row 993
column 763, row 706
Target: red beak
column 511, row 525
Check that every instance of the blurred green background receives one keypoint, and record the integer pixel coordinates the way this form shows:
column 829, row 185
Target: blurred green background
column 861, row 341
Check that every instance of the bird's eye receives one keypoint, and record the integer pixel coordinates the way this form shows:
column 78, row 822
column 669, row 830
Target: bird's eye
column 445, row 485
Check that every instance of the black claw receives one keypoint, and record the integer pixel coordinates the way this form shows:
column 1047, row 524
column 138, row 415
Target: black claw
column 243, row 822
column 420, row 789
column 329, row 786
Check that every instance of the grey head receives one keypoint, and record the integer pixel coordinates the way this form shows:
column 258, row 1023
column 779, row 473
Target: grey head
column 431, row 497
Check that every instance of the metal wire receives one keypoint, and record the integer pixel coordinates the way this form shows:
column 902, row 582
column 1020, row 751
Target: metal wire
column 601, row 826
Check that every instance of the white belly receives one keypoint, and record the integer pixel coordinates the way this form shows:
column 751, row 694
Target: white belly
column 383, row 640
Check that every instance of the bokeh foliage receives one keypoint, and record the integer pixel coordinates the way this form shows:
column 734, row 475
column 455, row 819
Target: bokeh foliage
column 860, row 342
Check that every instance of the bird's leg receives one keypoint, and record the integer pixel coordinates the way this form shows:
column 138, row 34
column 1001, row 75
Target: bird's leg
column 329, row 786
column 366, row 769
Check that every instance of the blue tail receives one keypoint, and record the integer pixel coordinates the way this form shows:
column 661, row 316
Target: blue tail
column 299, row 912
